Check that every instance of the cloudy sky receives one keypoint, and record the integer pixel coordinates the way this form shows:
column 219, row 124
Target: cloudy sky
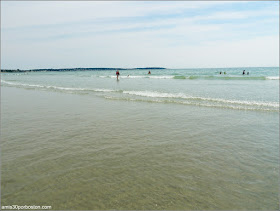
column 181, row 34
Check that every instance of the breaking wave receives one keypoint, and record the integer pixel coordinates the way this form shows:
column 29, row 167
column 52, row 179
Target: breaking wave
column 163, row 97
column 196, row 77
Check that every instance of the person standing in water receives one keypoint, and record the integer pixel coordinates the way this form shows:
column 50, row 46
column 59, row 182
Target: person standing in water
column 117, row 73
column 149, row 72
column 243, row 72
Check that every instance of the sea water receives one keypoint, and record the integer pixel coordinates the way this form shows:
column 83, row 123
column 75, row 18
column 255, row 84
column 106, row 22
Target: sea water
column 173, row 139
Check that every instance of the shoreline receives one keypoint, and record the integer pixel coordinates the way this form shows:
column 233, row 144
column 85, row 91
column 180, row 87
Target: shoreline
column 113, row 68
column 80, row 69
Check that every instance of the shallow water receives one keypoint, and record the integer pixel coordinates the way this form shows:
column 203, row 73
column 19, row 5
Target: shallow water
column 199, row 87
column 76, row 140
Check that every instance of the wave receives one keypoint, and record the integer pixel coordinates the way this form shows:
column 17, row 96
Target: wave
column 57, row 87
column 195, row 77
column 224, row 106
column 162, row 77
column 154, row 96
column 138, row 76
column 272, row 77
column 222, row 77
column 184, row 96
column 179, row 77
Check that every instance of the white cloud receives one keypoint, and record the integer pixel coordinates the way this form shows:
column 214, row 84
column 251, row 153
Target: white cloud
column 46, row 13
column 75, row 34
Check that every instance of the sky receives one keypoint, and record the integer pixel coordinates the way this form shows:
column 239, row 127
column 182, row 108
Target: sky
column 128, row 34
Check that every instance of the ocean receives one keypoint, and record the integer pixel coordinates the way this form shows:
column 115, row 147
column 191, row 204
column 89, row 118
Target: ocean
column 175, row 139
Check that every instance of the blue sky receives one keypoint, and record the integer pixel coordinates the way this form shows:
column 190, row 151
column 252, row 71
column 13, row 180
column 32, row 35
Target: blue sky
column 181, row 34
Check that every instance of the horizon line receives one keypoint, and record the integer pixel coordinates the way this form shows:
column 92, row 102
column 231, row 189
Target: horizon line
column 134, row 68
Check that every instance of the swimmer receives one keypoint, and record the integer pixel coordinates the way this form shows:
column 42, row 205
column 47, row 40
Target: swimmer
column 117, row 73
column 149, row 72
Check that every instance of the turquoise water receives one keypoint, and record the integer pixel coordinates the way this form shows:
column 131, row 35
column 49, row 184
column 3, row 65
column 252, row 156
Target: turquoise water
column 176, row 139
column 201, row 87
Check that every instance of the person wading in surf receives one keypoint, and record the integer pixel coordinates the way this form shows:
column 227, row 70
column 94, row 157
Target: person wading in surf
column 117, row 73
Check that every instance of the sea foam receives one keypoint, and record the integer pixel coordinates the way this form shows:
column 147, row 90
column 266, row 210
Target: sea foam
column 181, row 98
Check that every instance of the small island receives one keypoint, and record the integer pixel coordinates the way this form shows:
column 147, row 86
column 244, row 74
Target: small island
column 80, row 69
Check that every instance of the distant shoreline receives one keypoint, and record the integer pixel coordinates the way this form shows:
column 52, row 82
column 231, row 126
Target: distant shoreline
column 80, row 69
column 104, row 69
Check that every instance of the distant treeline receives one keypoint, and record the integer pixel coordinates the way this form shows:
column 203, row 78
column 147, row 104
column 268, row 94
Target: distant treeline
column 80, row 69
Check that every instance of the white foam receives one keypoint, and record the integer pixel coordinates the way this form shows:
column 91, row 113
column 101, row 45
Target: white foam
column 162, row 77
column 271, row 104
column 205, row 104
column 272, row 77
column 133, row 76
column 57, row 87
column 64, row 88
column 20, row 84
column 154, row 94
column 183, row 96
column 139, row 76
column 104, row 90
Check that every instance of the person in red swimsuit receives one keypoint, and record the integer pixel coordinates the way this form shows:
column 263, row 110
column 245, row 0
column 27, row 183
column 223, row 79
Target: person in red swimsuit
column 117, row 73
